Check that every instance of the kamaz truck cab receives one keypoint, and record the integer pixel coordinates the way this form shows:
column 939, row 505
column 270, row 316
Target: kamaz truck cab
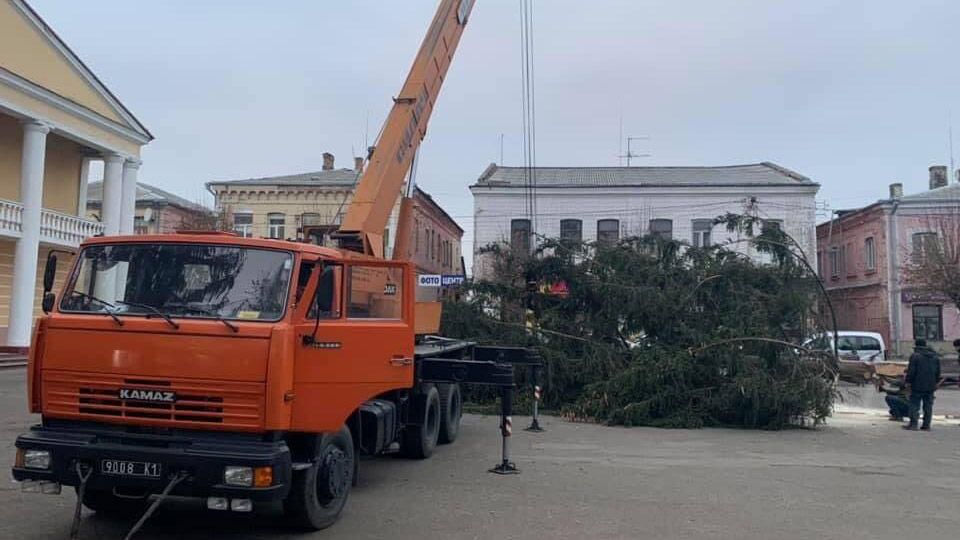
column 240, row 370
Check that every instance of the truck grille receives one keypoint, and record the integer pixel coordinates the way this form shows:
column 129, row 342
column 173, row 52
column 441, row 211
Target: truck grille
column 199, row 403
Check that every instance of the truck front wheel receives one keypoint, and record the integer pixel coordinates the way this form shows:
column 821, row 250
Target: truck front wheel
column 318, row 494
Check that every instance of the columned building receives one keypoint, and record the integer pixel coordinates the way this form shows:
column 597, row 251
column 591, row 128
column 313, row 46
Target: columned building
column 56, row 119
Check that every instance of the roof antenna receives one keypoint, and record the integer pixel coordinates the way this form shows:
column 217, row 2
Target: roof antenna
column 950, row 131
column 630, row 155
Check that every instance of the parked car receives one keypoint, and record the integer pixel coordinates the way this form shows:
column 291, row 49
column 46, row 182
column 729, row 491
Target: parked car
column 852, row 345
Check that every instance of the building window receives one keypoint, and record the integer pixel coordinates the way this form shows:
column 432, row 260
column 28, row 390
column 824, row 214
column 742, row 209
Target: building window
column 870, row 254
column 773, row 224
column 571, row 230
column 608, row 231
column 661, row 228
column 308, row 219
column 820, row 264
column 520, row 235
column 928, row 323
column 835, row 262
column 243, row 224
column 924, row 245
column 701, row 232
column 276, row 221
column 140, row 225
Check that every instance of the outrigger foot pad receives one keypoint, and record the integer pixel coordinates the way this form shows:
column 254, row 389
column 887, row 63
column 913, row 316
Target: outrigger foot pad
column 506, row 467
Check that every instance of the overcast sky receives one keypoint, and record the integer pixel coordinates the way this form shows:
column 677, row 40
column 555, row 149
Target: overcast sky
column 854, row 94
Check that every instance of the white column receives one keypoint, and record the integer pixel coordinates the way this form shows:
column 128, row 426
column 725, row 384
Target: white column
column 112, row 192
column 128, row 195
column 84, row 181
column 25, row 256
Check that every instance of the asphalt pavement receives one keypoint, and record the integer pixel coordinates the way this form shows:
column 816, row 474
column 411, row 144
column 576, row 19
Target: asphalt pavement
column 859, row 477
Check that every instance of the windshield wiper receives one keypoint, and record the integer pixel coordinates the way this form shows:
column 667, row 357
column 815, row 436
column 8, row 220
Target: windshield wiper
column 156, row 311
column 103, row 303
column 206, row 311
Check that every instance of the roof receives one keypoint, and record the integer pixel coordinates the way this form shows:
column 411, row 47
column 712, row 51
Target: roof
column 333, row 177
column 147, row 195
column 428, row 198
column 755, row 174
column 85, row 71
column 950, row 192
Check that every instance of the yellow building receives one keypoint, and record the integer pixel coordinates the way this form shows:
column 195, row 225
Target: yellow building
column 312, row 204
column 56, row 118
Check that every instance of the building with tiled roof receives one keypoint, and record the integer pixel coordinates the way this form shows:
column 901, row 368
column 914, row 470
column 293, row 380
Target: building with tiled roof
column 865, row 254
column 311, row 205
column 608, row 203
column 156, row 210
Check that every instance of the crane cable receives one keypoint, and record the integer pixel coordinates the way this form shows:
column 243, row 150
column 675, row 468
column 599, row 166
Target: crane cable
column 529, row 113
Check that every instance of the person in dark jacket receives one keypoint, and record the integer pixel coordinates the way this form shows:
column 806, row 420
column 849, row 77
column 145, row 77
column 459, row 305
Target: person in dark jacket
column 923, row 379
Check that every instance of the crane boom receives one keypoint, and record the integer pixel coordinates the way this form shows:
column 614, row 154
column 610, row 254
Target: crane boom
column 406, row 125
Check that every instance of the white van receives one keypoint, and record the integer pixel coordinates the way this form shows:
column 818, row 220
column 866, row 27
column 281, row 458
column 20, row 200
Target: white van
column 852, row 345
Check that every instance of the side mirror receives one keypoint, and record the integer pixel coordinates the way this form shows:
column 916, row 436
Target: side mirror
column 49, row 273
column 48, row 300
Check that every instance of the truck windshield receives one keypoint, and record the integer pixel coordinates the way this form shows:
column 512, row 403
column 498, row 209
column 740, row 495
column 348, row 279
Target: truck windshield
column 180, row 280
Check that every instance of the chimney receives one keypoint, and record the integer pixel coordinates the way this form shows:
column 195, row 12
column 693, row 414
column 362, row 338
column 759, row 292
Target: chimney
column 896, row 191
column 938, row 176
column 328, row 161
column 358, row 164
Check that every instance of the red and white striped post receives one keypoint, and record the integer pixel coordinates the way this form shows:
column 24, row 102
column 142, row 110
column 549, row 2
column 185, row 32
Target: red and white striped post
column 537, row 395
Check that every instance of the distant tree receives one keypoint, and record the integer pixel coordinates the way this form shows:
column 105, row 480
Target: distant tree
column 933, row 266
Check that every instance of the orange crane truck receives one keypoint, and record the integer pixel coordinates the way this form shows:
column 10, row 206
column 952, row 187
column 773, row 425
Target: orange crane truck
column 244, row 370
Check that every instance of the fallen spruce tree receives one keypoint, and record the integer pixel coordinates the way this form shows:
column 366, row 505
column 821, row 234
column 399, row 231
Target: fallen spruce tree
column 658, row 333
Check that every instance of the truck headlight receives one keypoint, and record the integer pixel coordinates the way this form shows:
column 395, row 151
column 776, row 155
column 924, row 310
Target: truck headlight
column 238, row 476
column 36, row 459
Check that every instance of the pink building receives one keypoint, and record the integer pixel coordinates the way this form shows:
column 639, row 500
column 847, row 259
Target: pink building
column 862, row 254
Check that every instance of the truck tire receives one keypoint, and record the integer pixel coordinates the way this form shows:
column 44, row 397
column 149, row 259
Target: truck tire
column 451, row 410
column 420, row 440
column 105, row 503
column 318, row 494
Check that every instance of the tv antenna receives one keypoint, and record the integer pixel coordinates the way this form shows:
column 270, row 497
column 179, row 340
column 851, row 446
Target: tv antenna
column 630, row 155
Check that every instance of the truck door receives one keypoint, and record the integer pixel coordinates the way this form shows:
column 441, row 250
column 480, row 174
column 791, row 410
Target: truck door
column 354, row 340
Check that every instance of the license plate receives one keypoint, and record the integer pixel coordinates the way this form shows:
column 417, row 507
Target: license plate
column 130, row 468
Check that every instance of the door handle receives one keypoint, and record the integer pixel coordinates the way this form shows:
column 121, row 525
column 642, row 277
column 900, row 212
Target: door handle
column 400, row 361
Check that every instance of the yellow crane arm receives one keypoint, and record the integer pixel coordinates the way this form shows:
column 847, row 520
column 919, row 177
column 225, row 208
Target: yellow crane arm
column 406, row 125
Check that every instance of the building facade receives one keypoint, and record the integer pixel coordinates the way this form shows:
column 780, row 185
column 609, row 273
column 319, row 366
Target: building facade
column 56, row 118
column 608, row 203
column 864, row 254
column 310, row 206
column 156, row 211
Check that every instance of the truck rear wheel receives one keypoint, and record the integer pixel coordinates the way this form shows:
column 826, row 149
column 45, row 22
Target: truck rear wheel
column 451, row 410
column 318, row 494
column 420, row 440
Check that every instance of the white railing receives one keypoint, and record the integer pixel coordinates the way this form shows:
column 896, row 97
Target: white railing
column 55, row 227
column 11, row 217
